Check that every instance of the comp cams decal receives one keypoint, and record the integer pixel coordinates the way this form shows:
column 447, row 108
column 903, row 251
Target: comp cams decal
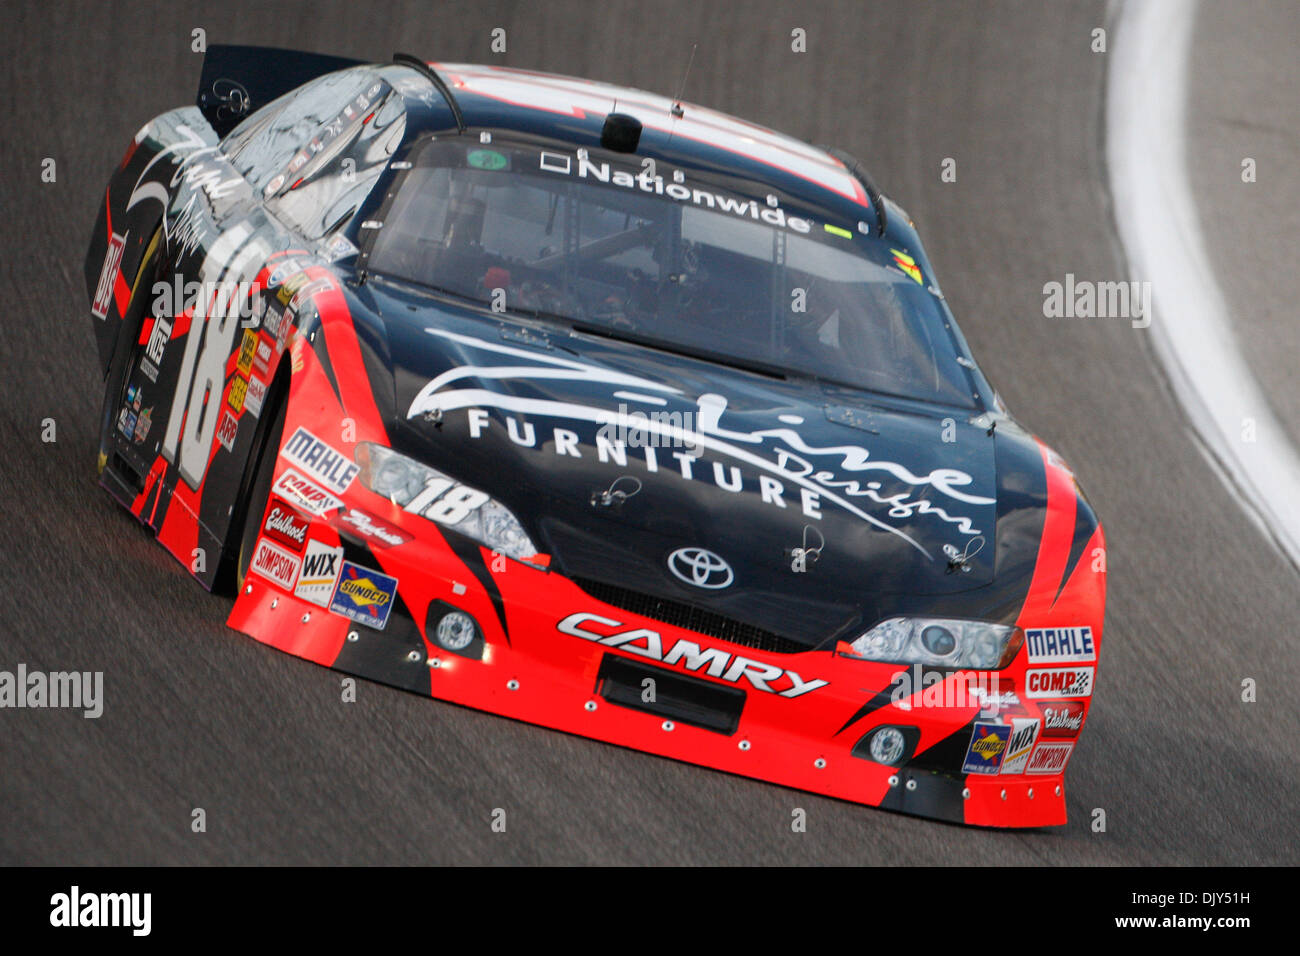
column 1067, row 682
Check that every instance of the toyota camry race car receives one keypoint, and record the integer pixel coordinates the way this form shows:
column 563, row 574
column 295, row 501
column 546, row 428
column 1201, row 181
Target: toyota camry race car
column 594, row 409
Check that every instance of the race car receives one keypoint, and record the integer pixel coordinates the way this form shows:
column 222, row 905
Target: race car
column 598, row 410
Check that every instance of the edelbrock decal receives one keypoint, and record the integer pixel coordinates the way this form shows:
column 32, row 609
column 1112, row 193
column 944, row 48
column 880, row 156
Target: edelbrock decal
column 1062, row 718
column 711, row 660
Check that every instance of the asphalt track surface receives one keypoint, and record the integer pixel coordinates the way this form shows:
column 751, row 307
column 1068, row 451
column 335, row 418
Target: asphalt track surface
column 197, row 715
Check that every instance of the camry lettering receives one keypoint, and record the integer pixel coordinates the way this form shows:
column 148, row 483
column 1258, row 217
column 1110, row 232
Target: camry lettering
column 711, row 660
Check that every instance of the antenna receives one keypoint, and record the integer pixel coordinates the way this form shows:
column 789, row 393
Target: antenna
column 677, row 100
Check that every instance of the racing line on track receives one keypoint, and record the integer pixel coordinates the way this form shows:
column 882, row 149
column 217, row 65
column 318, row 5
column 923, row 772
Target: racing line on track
column 1146, row 145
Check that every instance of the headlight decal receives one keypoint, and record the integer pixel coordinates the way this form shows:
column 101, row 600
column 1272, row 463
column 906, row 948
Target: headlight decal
column 939, row 642
column 427, row 492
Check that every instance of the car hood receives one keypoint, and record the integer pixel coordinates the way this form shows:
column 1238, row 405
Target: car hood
column 626, row 464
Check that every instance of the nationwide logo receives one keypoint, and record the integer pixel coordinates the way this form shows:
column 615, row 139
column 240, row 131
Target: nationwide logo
column 712, row 660
column 1024, row 734
column 108, row 276
column 273, row 562
column 988, row 742
column 326, row 464
column 364, row 595
column 320, row 572
column 1062, row 718
column 303, row 493
column 285, row 525
column 1050, row 758
column 1060, row 645
column 1059, row 682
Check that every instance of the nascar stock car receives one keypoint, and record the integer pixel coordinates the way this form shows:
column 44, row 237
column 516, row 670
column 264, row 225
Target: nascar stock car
column 594, row 409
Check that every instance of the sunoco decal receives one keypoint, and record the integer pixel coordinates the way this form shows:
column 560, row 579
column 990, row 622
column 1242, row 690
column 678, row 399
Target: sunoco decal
column 364, row 595
column 988, row 744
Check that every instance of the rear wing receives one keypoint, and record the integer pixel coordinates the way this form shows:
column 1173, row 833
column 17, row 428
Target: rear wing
column 237, row 80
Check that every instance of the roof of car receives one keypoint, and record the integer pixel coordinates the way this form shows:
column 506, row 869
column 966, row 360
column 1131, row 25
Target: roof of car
column 574, row 110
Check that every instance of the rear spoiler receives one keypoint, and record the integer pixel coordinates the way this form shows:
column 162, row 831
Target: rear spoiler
column 236, row 80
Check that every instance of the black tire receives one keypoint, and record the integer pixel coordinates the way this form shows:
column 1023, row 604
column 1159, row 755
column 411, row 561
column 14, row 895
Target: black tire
column 253, row 504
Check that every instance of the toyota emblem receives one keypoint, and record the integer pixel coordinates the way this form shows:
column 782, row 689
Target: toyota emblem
column 699, row 567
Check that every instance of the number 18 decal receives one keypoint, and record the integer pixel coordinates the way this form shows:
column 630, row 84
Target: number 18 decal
column 197, row 400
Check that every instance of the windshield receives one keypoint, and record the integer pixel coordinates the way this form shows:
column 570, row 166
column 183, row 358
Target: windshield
column 610, row 244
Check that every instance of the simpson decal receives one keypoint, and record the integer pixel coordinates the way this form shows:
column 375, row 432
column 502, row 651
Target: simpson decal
column 1050, row 758
column 276, row 564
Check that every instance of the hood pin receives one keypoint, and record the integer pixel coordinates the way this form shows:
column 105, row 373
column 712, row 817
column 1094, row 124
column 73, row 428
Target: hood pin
column 614, row 495
column 799, row 557
column 960, row 560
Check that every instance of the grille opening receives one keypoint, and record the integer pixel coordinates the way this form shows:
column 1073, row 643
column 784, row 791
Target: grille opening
column 691, row 618
column 687, row 700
